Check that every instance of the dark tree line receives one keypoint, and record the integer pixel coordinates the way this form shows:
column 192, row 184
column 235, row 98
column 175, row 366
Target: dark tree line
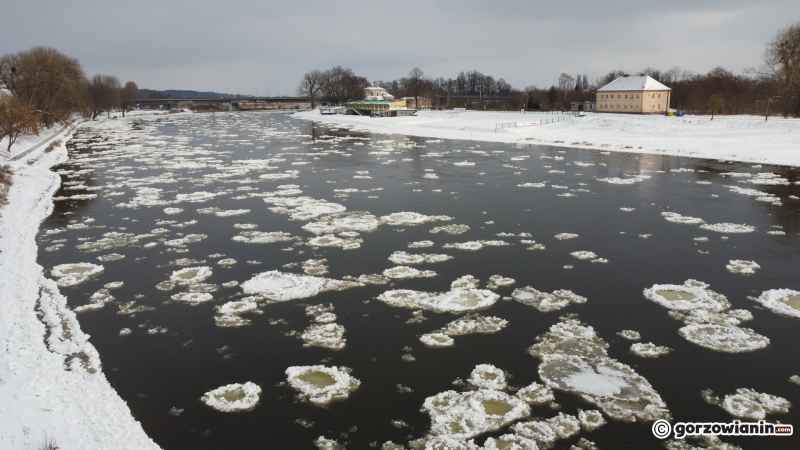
column 42, row 87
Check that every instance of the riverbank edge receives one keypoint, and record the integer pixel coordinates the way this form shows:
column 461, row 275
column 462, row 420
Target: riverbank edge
column 52, row 388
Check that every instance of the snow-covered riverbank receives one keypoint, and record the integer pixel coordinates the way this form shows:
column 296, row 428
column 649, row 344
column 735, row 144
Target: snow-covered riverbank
column 52, row 388
column 729, row 138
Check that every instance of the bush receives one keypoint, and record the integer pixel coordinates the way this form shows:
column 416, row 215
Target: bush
column 5, row 183
column 52, row 146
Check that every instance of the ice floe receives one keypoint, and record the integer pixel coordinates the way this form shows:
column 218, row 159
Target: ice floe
column 401, row 257
column 325, row 335
column 536, row 394
column 411, row 218
column 229, row 315
column 677, row 218
column 420, row 244
column 726, row 227
column 469, row 324
column 456, row 300
column 233, row 397
column 785, row 302
column 649, row 350
column 724, row 338
column 475, row 245
column 279, row 286
column 496, row 281
column 450, row 229
column 748, row 404
column 630, row 335
column 565, row 236
column 631, row 180
column 73, row 274
column 544, row 302
column 191, row 275
column 262, row 237
column 742, row 267
column 360, row 222
column 321, row 385
column 403, row 272
column 690, row 295
column 329, row 240
column 574, row 359
column 487, row 376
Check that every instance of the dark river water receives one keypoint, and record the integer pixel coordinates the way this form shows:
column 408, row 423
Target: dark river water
column 173, row 366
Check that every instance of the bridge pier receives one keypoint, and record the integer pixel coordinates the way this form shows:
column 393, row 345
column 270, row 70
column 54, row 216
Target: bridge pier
column 233, row 106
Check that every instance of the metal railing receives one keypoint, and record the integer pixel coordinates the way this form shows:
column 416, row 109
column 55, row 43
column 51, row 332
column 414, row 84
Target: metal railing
column 560, row 118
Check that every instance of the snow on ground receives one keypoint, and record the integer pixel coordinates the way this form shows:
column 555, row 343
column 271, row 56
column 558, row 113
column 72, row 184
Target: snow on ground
column 52, row 388
column 730, row 138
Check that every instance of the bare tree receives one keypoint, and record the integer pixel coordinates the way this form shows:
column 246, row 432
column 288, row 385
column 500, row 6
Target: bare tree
column 310, row 85
column 416, row 79
column 102, row 94
column 782, row 66
column 565, row 83
column 130, row 93
column 51, row 83
column 16, row 119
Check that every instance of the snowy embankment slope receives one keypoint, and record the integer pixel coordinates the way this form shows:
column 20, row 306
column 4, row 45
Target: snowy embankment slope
column 51, row 382
column 728, row 138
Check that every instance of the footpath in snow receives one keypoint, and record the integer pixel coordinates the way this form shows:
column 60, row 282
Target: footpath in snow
column 52, row 388
column 728, row 138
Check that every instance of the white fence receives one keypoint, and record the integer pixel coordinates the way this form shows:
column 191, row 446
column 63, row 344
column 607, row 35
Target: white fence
column 560, row 118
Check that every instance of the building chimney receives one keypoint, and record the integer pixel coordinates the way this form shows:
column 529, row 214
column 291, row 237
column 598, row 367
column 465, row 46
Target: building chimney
column 377, row 83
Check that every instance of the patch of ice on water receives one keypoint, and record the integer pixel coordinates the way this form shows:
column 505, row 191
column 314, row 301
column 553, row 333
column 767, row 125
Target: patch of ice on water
column 565, row 236
column 231, row 212
column 315, row 267
column 361, row 222
column 748, row 404
column 591, row 419
column 465, row 282
column 469, row 324
column 496, row 281
column 533, row 185
column 188, row 239
column 487, row 376
column 229, row 315
column 193, row 298
column 785, row 302
column 96, row 301
column 728, row 227
column 690, row 295
column 403, row 272
column 262, row 237
column 742, row 267
column 584, row 254
column 73, row 274
column 110, row 257
column 545, row 302
column 420, row 244
column 767, row 178
column 630, row 335
column 411, row 218
column 245, row 226
column 536, row 394
column 303, row 208
column 724, row 338
column 451, row 229
column 195, row 197
column 233, row 397
column 546, row 432
column 191, row 275
column 625, row 209
column 456, row 300
column 321, row 385
column 475, row 245
column 173, row 211
column 677, row 218
column 632, row 180
column 649, row 350
column 330, row 240
column 402, row 257
column 279, row 286
column 574, row 359
column 325, row 335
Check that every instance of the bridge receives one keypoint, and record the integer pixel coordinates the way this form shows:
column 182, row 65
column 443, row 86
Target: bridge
column 173, row 101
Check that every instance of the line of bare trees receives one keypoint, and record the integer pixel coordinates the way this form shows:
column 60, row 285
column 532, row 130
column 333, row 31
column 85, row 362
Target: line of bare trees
column 42, row 87
column 337, row 84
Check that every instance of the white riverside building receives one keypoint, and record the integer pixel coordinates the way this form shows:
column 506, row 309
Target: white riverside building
column 633, row 95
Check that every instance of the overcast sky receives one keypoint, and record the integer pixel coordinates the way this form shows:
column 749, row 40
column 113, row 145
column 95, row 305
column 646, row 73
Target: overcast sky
column 260, row 46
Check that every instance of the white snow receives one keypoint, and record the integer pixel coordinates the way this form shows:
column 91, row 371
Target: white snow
column 785, row 302
column 730, row 138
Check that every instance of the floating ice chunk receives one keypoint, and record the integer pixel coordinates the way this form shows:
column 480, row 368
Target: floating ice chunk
column 496, row 281
column 794, row 379
column 625, row 209
column 724, row 338
column 742, row 267
column 476, row 245
column 191, row 275
column 767, row 178
column 728, row 228
column 114, row 285
column 330, row 240
column 231, row 212
column 545, row 302
column 437, row 340
column 173, row 211
column 532, row 185
column 464, row 164
column 280, row 176
column 632, row 180
column 315, row 267
column 487, row 376
column 473, row 323
column 195, row 197
column 279, row 286
column 584, row 254
column 701, row 239
column 403, row 272
column 73, row 274
column 188, row 239
column 411, row 218
column 374, row 278
column 233, row 397
column 262, row 237
column 565, row 236
column 691, row 295
column 229, row 314
column 510, row 442
column 456, row 300
column 465, row 415
column 110, row 257
column 351, row 221
column 420, row 244
column 630, row 335
column 649, row 350
column 574, row 359
column 193, row 298
column 536, row 394
column 245, row 226
column 785, row 302
column 303, row 208
column 431, row 176
column 321, row 385
column 749, row 404
column 402, row 257
column 326, row 335
column 465, row 282
column 591, row 419
column 451, row 229
column 124, row 331
column 677, row 218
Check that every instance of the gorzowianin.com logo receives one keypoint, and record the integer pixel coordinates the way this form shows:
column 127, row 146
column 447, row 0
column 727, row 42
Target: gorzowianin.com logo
column 662, row 429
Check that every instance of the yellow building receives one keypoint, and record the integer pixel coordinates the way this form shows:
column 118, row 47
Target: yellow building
column 633, row 95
